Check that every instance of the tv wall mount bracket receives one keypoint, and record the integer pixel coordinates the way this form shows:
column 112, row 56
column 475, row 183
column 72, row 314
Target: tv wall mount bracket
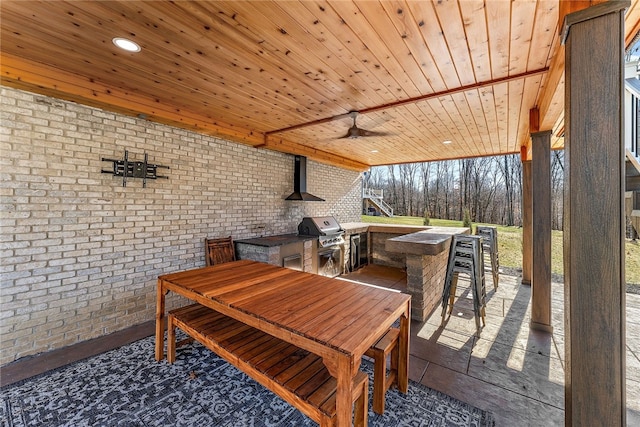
column 132, row 169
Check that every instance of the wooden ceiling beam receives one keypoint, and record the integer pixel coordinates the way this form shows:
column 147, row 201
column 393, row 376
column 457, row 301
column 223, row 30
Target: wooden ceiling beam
column 534, row 126
column 289, row 147
column 631, row 25
column 448, row 92
column 26, row 75
column 633, row 32
column 551, row 101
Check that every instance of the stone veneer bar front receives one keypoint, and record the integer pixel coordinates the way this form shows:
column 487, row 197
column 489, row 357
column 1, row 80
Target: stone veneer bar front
column 427, row 254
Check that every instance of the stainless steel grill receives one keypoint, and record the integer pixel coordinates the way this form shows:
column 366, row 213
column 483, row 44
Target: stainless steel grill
column 328, row 255
column 327, row 229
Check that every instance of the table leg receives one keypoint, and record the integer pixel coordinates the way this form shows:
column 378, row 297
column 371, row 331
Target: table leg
column 343, row 369
column 160, row 295
column 403, row 350
column 343, row 394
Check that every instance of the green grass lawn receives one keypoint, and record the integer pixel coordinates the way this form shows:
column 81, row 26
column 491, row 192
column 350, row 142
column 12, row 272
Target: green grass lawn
column 510, row 244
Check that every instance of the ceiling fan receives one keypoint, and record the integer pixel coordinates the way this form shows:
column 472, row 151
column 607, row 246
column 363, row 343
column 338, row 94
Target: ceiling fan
column 356, row 132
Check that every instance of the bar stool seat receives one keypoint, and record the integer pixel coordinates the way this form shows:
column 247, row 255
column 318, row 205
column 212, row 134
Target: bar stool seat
column 383, row 380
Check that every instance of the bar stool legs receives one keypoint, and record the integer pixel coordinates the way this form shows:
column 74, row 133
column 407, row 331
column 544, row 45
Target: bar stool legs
column 465, row 256
column 490, row 247
column 382, row 381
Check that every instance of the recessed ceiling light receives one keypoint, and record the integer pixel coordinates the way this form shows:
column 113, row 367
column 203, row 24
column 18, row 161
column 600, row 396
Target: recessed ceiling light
column 126, row 44
column 374, row 151
column 446, row 142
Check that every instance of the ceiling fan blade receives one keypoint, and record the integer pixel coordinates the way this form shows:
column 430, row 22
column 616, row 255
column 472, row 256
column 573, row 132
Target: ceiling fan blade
column 364, row 132
column 355, row 132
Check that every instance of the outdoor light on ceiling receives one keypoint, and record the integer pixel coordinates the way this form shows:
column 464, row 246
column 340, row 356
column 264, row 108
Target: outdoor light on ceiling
column 446, row 142
column 374, row 151
column 126, row 44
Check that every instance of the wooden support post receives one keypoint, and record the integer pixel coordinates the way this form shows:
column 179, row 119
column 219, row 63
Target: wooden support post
column 527, row 223
column 541, row 242
column 594, row 217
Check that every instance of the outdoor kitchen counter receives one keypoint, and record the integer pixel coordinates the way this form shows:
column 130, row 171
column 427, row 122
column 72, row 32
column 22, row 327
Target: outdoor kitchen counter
column 427, row 255
column 431, row 241
column 363, row 227
column 277, row 240
column 422, row 250
column 290, row 250
column 413, row 239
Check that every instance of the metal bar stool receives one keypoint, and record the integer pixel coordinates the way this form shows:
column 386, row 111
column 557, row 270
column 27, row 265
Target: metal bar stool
column 465, row 256
column 490, row 246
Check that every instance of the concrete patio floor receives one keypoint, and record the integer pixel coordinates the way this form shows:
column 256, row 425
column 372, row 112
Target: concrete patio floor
column 511, row 370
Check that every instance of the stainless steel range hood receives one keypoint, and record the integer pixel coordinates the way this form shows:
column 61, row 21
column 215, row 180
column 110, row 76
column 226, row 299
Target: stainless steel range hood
column 300, row 182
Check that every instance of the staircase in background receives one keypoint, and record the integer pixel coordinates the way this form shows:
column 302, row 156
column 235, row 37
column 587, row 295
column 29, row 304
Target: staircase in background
column 374, row 199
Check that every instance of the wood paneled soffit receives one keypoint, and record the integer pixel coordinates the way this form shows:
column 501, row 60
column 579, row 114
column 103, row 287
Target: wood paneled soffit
column 27, row 75
column 416, row 99
column 422, row 74
column 550, row 106
column 35, row 77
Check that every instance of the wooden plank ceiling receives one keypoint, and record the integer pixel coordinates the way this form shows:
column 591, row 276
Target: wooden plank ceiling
column 283, row 75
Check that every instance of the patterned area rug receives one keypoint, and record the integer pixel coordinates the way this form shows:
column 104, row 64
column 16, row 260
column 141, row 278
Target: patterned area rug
column 127, row 387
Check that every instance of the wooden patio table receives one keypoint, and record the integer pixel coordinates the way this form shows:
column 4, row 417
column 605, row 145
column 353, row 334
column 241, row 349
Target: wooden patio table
column 335, row 319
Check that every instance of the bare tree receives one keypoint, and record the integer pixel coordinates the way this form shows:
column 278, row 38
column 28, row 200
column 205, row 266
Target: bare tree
column 490, row 187
column 557, row 188
column 392, row 188
column 484, row 186
column 375, row 178
column 425, row 175
column 464, row 185
column 511, row 168
column 508, row 190
column 407, row 183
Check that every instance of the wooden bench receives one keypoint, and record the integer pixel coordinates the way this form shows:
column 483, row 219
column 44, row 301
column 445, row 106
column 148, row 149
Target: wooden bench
column 296, row 375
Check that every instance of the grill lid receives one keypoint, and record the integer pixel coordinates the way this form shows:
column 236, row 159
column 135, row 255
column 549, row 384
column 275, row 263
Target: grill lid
column 319, row 226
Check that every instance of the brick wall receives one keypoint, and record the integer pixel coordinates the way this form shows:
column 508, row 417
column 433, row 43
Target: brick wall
column 81, row 253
